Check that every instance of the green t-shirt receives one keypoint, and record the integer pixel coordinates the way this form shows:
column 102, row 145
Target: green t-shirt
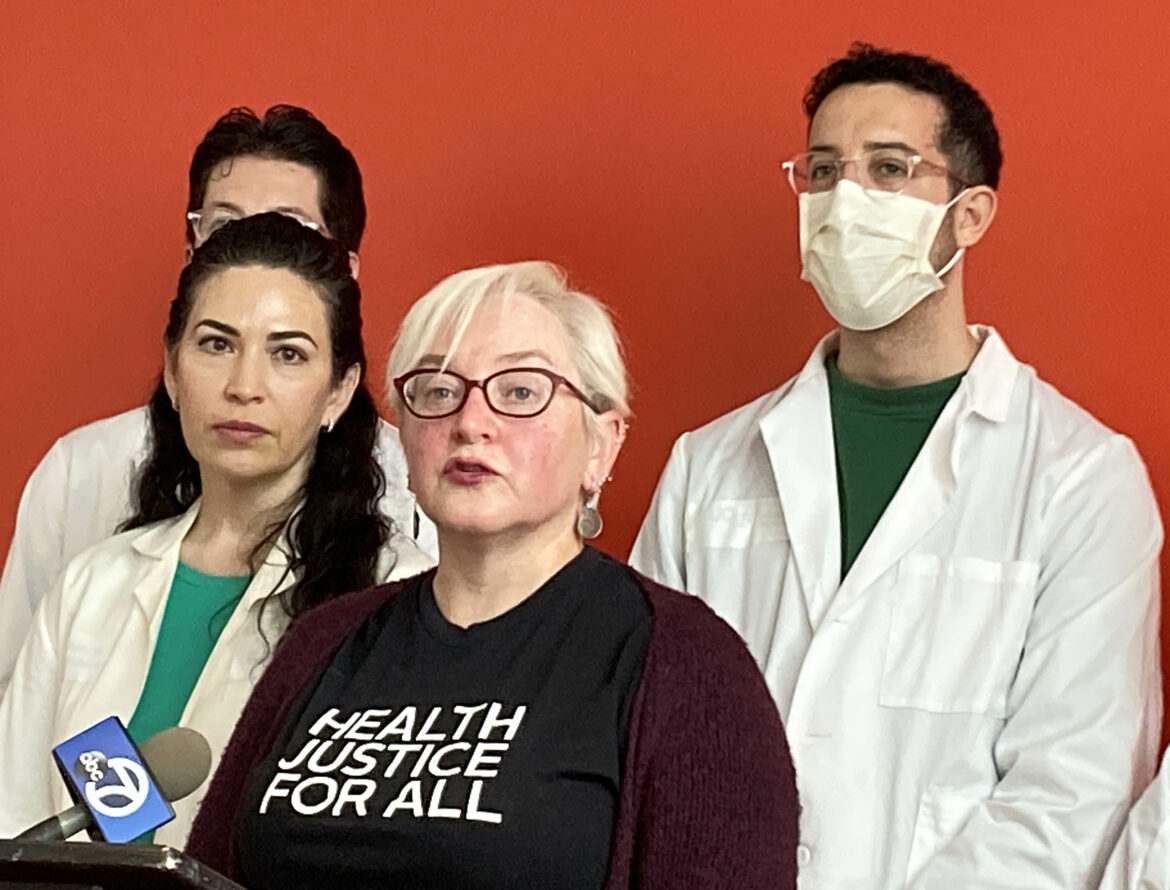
column 198, row 606
column 197, row 609
column 877, row 433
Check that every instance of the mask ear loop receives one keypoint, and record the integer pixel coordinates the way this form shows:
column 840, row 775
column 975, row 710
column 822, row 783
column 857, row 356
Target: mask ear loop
column 950, row 264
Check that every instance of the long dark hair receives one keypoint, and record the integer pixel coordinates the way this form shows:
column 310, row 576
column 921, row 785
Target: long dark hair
column 336, row 534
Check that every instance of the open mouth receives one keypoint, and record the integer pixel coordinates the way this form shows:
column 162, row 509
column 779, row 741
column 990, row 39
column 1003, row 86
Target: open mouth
column 467, row 470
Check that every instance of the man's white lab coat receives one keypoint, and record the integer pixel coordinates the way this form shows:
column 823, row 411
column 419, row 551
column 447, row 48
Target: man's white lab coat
column 80, row 492
column 91, row 644
column 978, row 702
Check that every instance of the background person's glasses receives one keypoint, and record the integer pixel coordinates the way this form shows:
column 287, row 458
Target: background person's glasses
column 206, row 223
column 884, row 169
column 514, row 392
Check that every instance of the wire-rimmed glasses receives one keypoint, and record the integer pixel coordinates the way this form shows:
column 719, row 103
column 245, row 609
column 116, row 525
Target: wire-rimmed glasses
column 431, row 393
column 887, row 169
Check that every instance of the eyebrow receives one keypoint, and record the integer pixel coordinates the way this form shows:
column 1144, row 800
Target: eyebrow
column 434, row 358
column 283, row 208
column 525, row 354
column 228, row 205
column 219, row 326
column 877, row 146
column 290, row 335
column 274, row 337
column 869, row 146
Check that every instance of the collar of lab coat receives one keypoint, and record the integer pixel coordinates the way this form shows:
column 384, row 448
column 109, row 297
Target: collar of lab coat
column 992, row 376
column 988, row 383
column 160, row 544
column 801, row 463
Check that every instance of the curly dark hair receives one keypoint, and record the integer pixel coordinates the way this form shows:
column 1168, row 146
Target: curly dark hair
column 287, row 133
column 967, row 134
column 337, row 532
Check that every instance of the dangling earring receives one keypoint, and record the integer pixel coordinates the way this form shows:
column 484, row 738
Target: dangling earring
column 589, row 522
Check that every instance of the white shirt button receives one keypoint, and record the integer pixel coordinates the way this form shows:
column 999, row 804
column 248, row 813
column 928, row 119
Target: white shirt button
column 803, row 855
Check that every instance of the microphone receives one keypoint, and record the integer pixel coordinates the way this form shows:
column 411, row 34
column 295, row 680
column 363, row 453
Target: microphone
column 179, row 758
column 122, row 791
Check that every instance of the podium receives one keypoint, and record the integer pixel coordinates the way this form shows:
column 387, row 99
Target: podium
column 98, row 866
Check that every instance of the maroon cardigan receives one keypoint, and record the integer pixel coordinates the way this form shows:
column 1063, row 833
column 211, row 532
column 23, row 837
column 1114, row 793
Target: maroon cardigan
column 708, row 795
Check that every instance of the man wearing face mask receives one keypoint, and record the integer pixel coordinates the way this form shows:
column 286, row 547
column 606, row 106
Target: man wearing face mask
column 947, row 570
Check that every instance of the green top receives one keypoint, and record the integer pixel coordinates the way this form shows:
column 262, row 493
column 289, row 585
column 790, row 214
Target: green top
column 198, row 606
column 197, row 609
column 877, row 433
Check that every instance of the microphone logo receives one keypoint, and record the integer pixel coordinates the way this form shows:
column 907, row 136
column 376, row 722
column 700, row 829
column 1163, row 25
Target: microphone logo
column 109, row 779
column 124, row 795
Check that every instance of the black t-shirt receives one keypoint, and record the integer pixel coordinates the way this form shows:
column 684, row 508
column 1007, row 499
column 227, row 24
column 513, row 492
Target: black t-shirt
column 431, row 756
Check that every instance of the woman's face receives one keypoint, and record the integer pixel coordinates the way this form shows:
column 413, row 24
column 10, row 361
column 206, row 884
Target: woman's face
column 480, row 473
column 252, row 377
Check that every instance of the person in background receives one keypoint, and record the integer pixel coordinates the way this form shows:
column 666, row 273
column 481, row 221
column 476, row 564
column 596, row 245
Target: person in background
column 531, row 713
column 258, row 499
column 286, row 161
column 947, row 570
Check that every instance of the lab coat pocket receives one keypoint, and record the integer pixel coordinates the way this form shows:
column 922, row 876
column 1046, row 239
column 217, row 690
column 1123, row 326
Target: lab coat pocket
column 736, row 524
column 942, row 813
column 957, row 630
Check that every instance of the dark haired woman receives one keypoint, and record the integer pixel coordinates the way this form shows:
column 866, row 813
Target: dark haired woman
column 257, row 501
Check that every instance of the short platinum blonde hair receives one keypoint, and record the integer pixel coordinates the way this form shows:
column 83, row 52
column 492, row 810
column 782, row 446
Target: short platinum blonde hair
column 593, row 340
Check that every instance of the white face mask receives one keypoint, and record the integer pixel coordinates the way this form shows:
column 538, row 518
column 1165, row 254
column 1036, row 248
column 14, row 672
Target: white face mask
column 867, row 252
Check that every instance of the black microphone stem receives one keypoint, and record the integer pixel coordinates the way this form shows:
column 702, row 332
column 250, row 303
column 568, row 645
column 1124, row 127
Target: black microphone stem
column 59, row 827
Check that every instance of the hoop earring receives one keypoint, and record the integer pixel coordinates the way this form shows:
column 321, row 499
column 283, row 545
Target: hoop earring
column 589, row 522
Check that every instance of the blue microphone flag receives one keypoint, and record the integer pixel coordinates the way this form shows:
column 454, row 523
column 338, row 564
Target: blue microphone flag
column 107, row 775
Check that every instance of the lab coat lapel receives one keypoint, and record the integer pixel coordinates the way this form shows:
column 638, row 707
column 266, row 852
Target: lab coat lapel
column 160, row 547
column 930, row 484
column 241, row 650
column 120, row 679
column 798, row 436
column 916, row 506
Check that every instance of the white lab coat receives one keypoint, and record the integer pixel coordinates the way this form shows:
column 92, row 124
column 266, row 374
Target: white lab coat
column 91, row 643
column 978, row 702
column 80, row 492
column 1141, row 859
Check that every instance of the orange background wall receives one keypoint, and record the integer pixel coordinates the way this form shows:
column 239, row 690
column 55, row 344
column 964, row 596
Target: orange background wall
column 637, row 144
